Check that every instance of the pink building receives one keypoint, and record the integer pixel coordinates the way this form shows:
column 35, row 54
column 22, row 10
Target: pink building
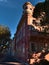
column 28, row 38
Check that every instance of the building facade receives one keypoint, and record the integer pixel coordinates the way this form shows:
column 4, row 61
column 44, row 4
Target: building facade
column 30, row 36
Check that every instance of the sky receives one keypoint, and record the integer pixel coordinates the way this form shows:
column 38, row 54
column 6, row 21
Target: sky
column 11, row 12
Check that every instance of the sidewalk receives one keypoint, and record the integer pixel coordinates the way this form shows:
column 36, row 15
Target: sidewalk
column 18, row 60
column 12, row 59
column 1, row 59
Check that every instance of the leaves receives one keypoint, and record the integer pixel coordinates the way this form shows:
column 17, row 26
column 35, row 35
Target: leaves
column 4, row 37
column 4, row 32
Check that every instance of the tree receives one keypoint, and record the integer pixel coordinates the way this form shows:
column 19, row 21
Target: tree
column 40, row 7
column 41, row 12
column 4, row 37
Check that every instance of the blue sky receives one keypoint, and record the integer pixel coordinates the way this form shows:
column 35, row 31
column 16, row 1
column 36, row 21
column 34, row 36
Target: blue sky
column 11, row 12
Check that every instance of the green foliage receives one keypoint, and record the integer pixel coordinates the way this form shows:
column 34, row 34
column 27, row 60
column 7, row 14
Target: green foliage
column 41, row 12
column 4, row 32
column 4, row 37
column 40, row 7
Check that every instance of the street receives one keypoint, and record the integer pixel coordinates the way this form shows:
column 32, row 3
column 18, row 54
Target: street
column 10, row 63
column 9, row 60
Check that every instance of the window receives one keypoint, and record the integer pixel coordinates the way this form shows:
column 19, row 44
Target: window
column 31, row 28
column 23, row 26
column 17, row 40
column 46, row 45
column 23, row 47
column 32, row 47
column 35, row 23
column 24, row 32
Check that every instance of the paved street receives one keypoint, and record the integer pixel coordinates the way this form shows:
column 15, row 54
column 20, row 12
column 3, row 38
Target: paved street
column 10, row 63
column 9, row 60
